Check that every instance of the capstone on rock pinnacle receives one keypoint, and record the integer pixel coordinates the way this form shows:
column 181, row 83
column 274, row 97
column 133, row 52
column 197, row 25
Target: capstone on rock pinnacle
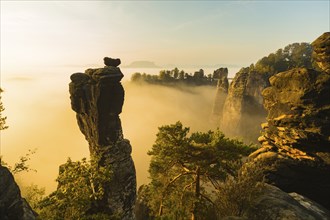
column 111, row 62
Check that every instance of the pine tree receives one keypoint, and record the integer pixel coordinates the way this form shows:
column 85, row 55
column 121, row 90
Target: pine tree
column 184, row 168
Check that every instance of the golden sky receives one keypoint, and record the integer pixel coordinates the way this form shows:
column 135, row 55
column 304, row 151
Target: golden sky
column 44, row 42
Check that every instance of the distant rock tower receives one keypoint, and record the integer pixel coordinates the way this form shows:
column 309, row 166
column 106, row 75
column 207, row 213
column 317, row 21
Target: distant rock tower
column 222, row 92
column 97, row 97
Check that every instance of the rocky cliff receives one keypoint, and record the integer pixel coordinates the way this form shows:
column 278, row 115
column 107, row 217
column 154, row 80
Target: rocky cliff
column 222, row 91
column 97, row 97
column 321, row 52
column 242, row 110
column 296, row 137
column 12, row 205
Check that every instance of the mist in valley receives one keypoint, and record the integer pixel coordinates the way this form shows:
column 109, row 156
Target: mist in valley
column 40, row 117
column 149, row 106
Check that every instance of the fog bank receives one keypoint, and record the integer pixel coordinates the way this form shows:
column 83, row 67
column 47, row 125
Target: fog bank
column 40, row 116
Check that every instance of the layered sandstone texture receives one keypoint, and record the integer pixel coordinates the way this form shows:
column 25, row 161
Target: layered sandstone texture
column 296, row 136
column 321, row 52
column 97, row 97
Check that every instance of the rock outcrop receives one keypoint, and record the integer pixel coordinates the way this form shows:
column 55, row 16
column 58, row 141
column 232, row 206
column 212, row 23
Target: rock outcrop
column 321, row 52
column 97, row 97
column 222, row 91
column 242, row 110
column 276, row 204
column 12, row 205
column 296, row 136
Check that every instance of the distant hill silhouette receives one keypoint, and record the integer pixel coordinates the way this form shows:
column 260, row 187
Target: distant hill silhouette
column 142, row 64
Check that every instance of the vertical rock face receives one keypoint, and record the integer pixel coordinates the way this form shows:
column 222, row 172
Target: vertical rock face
column 299, row 110
column 97, row 97
column 222, row 91
column 243, row 110
column 296, row 136
column 12, row 205
column 321, row 52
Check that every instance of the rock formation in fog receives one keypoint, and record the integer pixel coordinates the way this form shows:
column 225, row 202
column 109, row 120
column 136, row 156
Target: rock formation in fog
column 12, row 205
column 296, row 136
column 97, row 97
column 222, row 91
column 242, row 110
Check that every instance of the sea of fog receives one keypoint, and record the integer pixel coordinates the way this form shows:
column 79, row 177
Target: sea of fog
column 39, row 117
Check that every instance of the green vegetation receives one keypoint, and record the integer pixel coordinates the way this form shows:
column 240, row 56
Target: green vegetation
column 186, row 171
column 2, row 123
column 293, row 55
column 193, row 175
column 80, row 188
column 22, row 165
column 235, row 196
column 34, row 195
column 2, row 119
column 176, row 77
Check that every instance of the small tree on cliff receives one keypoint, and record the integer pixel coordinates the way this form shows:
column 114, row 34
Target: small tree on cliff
column 79, row 188
column 2, row 119
column 183, row 166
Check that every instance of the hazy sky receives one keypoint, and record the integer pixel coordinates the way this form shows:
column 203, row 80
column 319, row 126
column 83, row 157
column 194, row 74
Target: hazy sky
column 67, row 33
column 44, row 42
